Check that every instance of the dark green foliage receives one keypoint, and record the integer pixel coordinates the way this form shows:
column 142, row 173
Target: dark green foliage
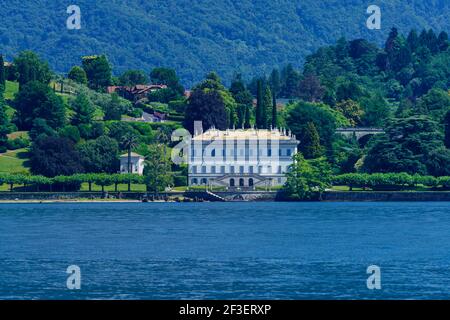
column 303, row 113
column 310, row 142
column 51, row 156
column 132, row 78
column 2, row 75
column 409, row 145
column 254, row 35
column 4, row 122
column 37, row 100
column 307, row 179
column 100, row 155
column 208, row 104
column 310, row 89
column 118, row 130
column 274, row 112
column 40, row 127
column 114, row 110
column 78, row 75
column 31, row 68
column 447, row 129
column 70, row 132
column 98, row 72
column 261, row 116
column 83, row 108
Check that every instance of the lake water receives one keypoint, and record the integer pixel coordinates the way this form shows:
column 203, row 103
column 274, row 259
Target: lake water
column 225, row 250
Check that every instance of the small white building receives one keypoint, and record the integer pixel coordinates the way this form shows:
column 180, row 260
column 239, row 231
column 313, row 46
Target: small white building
column 137, row 163
column 241, row 159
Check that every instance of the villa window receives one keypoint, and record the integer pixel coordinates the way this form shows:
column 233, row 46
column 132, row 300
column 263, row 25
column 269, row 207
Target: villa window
column 222, row 169
column 213, row 153
column 289, row 152
column 279, row 169
column 213, row 169
column 250, row 169
column 204, row 169
column 269, row 152
column 260, row 169
column 241, row 169
column 280, row 153
column 232, row 169
column 194, row 169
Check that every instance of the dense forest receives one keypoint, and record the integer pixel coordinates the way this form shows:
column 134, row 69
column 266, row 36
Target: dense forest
column 196, row 37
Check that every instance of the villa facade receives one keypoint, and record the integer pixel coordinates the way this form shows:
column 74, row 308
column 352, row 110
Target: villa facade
column 137, row 163
column 241, row 159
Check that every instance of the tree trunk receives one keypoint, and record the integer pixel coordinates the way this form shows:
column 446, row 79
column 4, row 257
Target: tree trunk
column 115, row 187
column 11, row 185
column 90, row 186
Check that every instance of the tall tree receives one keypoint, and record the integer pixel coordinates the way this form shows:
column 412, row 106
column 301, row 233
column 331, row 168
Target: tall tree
column 307, row 179
column 100, row 155
column 37, row 100
column 83, row 108
column 52, row 156
column 268, row 102
column 78, row 74
column 157, row 173
column 260, row 114
column 211, row 104
column 114, row 109
column 248, row 113
column 447, row 129
column 274, row 112
column 2, row 75
column 132, row 78
column 290, row 82
column 310, row 146
column 3, row 122
column 98, row 71
column 31, row 68
column 310, row 89
column 275, row 82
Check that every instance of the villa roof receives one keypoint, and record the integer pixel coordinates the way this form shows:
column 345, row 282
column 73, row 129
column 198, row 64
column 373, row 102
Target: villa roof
column 246, row 134
column 133, row 154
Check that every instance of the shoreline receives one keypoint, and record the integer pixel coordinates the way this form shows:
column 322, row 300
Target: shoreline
column 136, row 197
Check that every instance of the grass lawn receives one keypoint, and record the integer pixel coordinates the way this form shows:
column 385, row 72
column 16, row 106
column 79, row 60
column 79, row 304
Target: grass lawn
column 11, row 89
column 121, row 187
column 15, row 161
column 18, row 134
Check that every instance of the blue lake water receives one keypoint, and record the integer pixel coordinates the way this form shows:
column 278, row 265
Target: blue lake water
column 225, row 250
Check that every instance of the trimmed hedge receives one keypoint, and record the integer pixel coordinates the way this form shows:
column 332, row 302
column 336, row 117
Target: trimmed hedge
column 69, row 183
column 389, row 181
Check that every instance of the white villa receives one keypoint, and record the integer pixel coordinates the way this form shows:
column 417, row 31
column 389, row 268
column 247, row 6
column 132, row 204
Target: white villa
column 241, row 159
column 137, row 163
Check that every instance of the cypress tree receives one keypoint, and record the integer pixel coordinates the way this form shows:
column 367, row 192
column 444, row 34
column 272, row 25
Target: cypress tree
column 247, row 117
column 267, row 108
column 274, row 112
column 259, row 106
column 310, row 145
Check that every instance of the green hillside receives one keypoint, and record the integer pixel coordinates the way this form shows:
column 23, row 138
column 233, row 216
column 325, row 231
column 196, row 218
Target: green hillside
column 197, row 36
